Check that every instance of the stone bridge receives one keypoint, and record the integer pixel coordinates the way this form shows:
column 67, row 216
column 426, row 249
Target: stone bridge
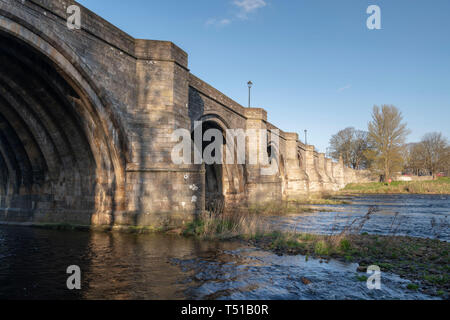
column 86, row 123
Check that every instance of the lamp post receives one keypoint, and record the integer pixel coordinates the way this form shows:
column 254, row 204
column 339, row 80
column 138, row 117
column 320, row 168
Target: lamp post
column 306, row 137
column 250, row 85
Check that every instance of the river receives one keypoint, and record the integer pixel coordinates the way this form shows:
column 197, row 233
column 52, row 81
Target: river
column 425, row 216
column 33, row 262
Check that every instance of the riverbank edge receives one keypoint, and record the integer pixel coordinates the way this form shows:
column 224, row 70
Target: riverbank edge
column 356, row 193
column 423, row 261
column 87, row 228
column 271, row 208
column 439, row 186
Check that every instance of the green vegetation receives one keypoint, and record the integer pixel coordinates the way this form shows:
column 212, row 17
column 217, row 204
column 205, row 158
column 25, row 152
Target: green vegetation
column 321, row 248
column 413, row 287
column 250, row 221
column 362, row 278
column 226, row 226
column 320, row 199
column 439, row 186
column 345, row 245
column 422, row 260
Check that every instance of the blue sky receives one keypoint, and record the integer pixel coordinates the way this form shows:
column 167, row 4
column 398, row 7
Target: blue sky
column 314, row 63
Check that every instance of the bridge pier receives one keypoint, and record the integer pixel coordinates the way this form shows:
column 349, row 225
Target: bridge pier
column 160, row 192
column 260, row 188
column 330, row 173
column 327, row 183
column 315, row 181
column 297, row 184
column 338, row 173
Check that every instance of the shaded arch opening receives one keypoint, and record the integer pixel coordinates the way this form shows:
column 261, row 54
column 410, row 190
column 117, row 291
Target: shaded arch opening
column 225, row 183
column 56, row 161
column 214, row 173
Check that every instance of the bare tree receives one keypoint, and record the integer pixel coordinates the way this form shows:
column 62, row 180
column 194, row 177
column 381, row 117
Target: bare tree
column 361, row 146
column 434, row 148
column 447, row 162
column 351, row 144
column 415, row 159
column 387, row 134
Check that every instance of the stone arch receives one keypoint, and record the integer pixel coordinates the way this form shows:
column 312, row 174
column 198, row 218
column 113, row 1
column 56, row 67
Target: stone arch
column 214, row 117
column 229, row 178
column 62, row 151
column 274, row 154
column 300, row 159
column 283, row 175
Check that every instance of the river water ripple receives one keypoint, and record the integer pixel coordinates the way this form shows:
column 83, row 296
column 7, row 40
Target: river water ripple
column 33, row 263
column 425, row 216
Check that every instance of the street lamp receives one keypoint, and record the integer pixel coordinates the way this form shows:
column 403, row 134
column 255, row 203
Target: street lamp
column 250, row 85
column 306, row 137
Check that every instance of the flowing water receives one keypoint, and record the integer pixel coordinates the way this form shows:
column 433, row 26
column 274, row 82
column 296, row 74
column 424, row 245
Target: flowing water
column 33, row 262
column 425, row 216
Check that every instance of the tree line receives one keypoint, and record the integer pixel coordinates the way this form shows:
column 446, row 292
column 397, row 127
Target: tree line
column 382, row 149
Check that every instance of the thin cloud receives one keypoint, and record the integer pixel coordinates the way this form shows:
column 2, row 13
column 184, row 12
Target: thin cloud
column 344, row 88
column 217, row 22
column 244, row 9
column 247, row 7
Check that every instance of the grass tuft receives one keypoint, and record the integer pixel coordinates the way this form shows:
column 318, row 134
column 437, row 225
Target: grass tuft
column 227, row 225
column 412, row 287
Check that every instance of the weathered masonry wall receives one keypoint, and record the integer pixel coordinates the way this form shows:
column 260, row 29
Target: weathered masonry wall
column 301, row 169
column 86, row 123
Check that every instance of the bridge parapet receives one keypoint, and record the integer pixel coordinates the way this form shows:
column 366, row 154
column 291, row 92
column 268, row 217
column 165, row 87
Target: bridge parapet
column 212, row 93
column 256, row 114
column 90, row 22
column 160, row 51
